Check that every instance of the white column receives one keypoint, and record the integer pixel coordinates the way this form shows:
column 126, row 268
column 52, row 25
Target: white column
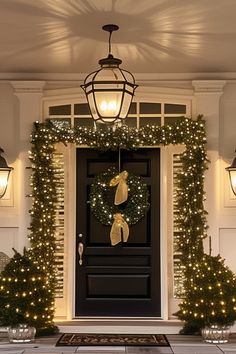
column 29, row 94
column 207, row 94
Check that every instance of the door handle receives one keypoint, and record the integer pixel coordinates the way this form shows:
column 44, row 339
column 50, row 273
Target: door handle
column 80, row 250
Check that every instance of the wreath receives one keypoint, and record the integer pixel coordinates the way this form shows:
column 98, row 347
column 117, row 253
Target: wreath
column 101, row 199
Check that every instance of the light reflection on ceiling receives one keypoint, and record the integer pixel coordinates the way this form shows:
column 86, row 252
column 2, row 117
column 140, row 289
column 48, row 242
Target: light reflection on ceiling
column 155, row 36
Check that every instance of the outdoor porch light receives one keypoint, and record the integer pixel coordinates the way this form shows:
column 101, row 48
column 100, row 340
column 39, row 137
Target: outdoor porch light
column 5, row 171
column 232, row 175
column 109, row 90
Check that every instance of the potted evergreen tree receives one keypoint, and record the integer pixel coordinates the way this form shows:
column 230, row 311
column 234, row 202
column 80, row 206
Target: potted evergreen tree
column 209, row 305
column 24, row 297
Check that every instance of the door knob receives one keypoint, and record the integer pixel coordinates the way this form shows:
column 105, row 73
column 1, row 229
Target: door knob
column 80, row 250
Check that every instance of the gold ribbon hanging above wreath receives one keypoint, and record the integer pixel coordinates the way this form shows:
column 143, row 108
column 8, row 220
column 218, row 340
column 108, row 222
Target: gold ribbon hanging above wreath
column 119, row 225
column 122, row 189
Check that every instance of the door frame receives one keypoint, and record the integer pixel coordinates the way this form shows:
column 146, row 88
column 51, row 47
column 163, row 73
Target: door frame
column 143, row 297
column 70, row 204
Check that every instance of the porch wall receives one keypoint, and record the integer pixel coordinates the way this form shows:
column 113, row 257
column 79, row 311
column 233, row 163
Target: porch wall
column 20, row 106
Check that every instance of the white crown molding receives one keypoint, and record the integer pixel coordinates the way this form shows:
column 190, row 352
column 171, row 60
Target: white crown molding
column 208, row 86
column 28, row 86
column 147, row 77
column 143, row 92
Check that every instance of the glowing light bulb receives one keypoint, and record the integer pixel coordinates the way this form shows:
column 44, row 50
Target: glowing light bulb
column 103, row 105
column 108, row 107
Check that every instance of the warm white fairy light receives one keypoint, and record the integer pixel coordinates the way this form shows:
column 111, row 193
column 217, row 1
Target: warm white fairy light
column 137, row 204
column 191, row 222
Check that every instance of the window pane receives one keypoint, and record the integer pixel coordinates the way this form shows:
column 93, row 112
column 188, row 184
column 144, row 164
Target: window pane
column 131, row 122
column 133, row 108
column 150, row 108
column 172, row 120
column 60, row 120
column 60, row 110
column 85, row 122
column 149, row 120
column 175, row 108
column 81, row 109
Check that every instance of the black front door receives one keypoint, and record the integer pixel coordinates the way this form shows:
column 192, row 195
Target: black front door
column 121, row 280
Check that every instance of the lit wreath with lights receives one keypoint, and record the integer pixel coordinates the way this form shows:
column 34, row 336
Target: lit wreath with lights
column 102, row 204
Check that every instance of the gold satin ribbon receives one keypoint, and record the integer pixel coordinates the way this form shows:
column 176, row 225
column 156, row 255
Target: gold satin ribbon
column 122, row 189
column 118, row 225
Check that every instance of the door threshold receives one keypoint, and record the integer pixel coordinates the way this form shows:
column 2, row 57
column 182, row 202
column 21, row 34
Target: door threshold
column 124, row 325
column 104, row 318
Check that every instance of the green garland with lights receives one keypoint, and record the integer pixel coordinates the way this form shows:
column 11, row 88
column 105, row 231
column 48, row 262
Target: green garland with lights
column 132, row 210
column 191, row 219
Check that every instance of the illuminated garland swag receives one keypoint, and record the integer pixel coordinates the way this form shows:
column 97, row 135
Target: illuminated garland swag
column 192, row 216
column 191, row 220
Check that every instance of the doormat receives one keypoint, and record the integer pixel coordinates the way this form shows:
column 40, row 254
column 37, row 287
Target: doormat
column 83, row 339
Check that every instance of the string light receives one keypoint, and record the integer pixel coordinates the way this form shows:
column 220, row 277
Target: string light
column 19, row 293
column 217, row 284
column 136, row 206
column 191, row 221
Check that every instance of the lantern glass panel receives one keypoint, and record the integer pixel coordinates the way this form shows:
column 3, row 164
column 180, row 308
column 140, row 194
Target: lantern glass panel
column 4, row 175
column 125, row 106
column 92, row 105
column 232, row 175
column 108, row 103
column 109, row 74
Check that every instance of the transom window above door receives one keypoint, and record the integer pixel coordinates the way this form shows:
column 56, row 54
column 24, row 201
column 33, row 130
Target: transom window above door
column 140, row 113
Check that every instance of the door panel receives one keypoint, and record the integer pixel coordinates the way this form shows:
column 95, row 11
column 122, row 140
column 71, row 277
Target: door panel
column 118, row 285
column 123, row 280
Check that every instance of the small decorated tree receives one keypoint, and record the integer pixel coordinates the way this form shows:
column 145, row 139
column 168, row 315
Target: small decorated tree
column 210, row 297
column 25, row 295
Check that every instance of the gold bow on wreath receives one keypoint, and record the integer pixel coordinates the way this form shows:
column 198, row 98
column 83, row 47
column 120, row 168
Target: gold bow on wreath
column 122, row 189
column 118, row 225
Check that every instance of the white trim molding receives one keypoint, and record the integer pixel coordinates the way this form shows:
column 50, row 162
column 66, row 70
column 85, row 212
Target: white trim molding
column 28, row 86
column 208, row 86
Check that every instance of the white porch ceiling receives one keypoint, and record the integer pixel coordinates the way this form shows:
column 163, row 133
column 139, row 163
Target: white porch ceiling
column 155, row 36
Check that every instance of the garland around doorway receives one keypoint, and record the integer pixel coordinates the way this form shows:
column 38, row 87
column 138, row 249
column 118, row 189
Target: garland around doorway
column 191, row 221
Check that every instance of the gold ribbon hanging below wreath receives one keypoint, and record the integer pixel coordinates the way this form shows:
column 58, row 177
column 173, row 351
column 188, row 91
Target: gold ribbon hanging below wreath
column 118, row 225
column 122, row 189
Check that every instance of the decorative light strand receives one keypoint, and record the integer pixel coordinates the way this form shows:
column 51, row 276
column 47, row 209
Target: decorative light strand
column 135, row 208
column 191, row 219
column 25, row 296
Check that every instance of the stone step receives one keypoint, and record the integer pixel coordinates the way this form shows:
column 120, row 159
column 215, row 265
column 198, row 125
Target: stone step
column 120, row 326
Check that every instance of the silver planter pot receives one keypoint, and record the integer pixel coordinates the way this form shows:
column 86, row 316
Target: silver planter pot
column 215, row 334
column 21, row 333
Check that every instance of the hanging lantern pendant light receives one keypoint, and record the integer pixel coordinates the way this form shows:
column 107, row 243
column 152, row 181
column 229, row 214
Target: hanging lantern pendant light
column 109, row 90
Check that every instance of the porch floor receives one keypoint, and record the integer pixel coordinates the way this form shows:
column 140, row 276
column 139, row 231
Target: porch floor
column 178, row 345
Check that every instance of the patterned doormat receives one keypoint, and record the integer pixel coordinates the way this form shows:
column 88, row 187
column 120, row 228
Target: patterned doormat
column 83, row 339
